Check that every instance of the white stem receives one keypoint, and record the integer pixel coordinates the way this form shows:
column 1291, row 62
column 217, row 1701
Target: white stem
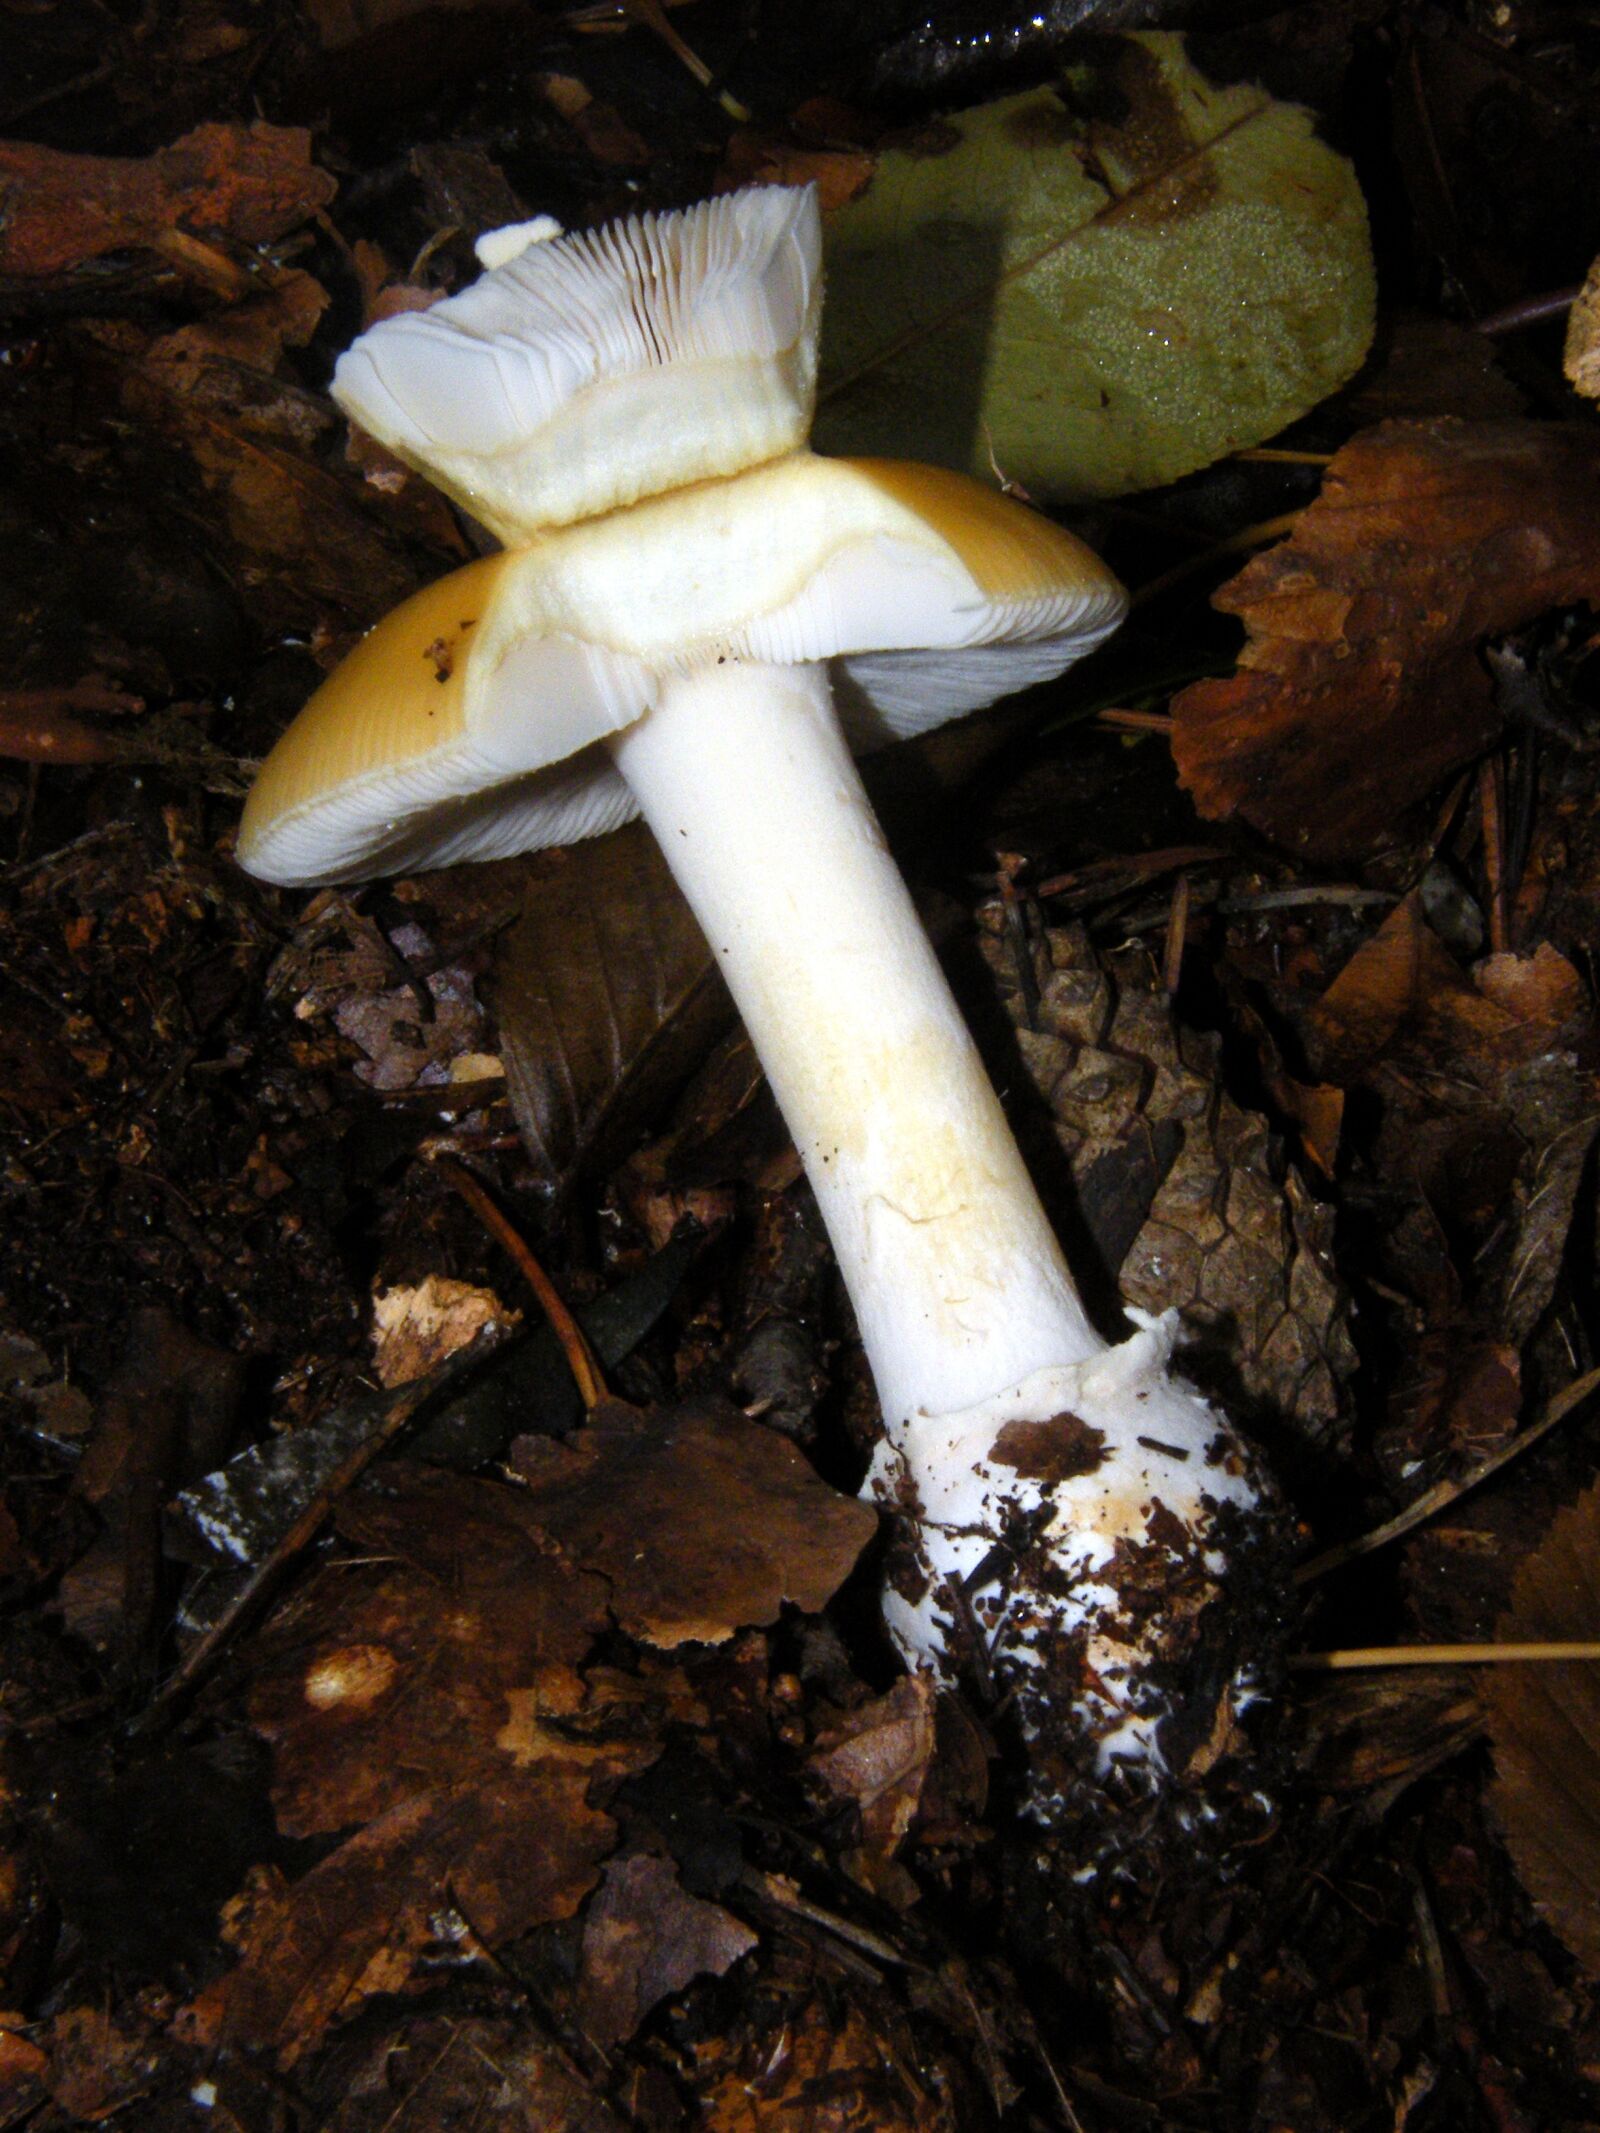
column 1048, row 1492
column 958, row 1283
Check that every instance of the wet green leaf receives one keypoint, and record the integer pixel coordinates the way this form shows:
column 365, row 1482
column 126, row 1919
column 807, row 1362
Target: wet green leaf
column 1104, row 303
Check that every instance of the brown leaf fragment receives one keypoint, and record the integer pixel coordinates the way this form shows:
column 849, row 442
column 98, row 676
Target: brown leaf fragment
column 644, row 1938
column 1362, row 685
column 1431, row 366
column 398, row 1675
column 1387, row 1728
column 826, row 2069
column 758, row 157
column 340, row 23
column 1544, row 1723
column 35, row 729
column 606, row 994
column 878, row 1758
column 165, row 1418
column 226, row 363
column 464, row 189
column 23, row 2065
column 100, row 2063
column 702, row 1521
column 1580, row 358
column 508, row 1854
column 253, row 183
column 602, row 129
column 495, row 2074
column 1403, row 994
column 382, row 296
column 416, row 1325
column 424, row 1697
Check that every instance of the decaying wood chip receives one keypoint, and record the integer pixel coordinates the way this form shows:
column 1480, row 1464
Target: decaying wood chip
column 249, row 182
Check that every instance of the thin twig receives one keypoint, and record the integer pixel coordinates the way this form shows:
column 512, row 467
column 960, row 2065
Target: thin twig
column 1137, row 721
column 1444, row 1493
column 1438, row 1655
column 406, row 1402
column 1491, row 815
column 653, row 16
column 1257, row 536
column 586, row 1373
column 1177, row 934
column 1529, row 311
column 1280, row 456
column 1333, row 893
column 1111, row 876
column 773, row 1889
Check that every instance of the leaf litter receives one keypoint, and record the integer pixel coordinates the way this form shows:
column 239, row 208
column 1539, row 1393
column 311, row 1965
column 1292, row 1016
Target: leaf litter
column 552, row 1771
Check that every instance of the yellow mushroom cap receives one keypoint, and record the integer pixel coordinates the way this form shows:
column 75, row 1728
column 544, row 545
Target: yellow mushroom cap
column 470, row 723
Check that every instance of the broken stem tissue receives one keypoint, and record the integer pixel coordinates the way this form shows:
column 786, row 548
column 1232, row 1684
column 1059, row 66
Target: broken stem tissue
column 696, row 618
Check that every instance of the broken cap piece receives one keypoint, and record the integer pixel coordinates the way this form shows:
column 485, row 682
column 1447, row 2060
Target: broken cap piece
column 590, row 370
column 465, row 725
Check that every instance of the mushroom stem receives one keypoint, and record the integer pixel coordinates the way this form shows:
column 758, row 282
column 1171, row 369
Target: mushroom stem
column 957, row 1280
column 1048, row 1489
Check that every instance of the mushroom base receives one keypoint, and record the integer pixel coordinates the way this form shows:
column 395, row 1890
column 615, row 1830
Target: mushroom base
column 1067, row 1545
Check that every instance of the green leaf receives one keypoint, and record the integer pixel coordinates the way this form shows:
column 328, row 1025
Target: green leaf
column 1101, row 304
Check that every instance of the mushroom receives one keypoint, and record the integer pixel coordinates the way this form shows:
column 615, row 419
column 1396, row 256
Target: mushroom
column 670, row 637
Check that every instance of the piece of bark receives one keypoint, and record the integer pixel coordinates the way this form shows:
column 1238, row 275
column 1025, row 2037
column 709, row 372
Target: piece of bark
column 253, row 183
column 1362, row 684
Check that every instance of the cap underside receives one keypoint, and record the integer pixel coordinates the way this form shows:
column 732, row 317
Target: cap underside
column 929, row 595
column 613, row 364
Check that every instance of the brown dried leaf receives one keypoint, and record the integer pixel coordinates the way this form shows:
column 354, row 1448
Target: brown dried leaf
column 645, row 1938
column 1544, row 1722
column 1580, row 358
column 456, row 2071
column 429, row 1694
column 755, row 156
column 1361, row 685
column 252, row 183
column 823, row 2070
column 1487, row 1110
column 404, row 993
column 303, row 538
column 1402, row 994
column 703, row 1521
column 1386, row 1728
column 507, row 1854
column 602, row 129
column 227, row 361
column 341, row 23
column 1434, row 366
column 464, row 189
column 100, row 2063
column 878, row 1757
column 606, row 994
column 374, row 1687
